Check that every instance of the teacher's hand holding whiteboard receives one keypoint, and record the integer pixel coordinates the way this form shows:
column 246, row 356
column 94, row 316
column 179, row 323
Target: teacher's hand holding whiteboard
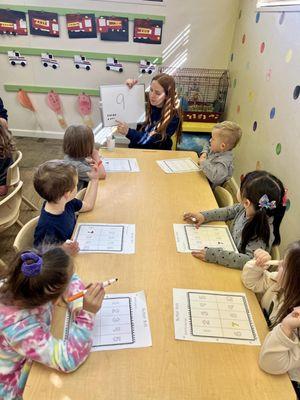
column 120, row 103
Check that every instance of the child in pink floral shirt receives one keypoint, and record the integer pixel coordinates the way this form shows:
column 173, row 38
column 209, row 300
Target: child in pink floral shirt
column 29, row 289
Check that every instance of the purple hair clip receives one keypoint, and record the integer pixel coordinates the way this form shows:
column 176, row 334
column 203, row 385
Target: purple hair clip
column 265, row 203
column 33, row 268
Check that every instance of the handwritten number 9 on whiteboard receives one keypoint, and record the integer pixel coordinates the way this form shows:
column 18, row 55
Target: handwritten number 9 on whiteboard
column 121, row 100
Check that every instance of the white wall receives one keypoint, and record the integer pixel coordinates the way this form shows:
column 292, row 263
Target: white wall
column 261, row 81
column 208, row 46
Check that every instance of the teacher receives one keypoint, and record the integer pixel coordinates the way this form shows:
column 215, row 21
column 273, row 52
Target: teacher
column 163, row 116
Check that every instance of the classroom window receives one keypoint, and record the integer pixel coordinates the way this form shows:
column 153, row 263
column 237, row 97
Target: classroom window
column 282, row 5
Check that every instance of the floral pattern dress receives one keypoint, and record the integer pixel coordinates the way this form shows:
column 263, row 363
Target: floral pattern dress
column 25, row 337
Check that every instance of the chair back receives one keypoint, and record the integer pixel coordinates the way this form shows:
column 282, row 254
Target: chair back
column 223, row 197
column 13, row 171
column 174, row 141
column 232, row 187
column 25, row 237
column 10, row 207
column 80, row 195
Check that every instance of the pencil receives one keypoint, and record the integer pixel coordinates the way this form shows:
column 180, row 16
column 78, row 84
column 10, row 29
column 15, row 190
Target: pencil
column 81, row 294
column 273, row 262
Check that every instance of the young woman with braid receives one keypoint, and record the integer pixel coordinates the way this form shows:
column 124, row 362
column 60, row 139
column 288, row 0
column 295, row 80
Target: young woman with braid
column 163, row 116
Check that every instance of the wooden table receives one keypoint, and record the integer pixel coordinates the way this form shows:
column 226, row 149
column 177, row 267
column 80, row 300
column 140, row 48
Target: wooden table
column 170, row 369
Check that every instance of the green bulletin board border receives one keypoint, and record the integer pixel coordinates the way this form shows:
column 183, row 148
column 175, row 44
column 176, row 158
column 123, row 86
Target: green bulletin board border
column 64, row 11
column 47, row 89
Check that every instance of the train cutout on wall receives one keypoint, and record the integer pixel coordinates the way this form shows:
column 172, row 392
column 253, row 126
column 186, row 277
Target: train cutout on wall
column 79, row 26
column 80, row 62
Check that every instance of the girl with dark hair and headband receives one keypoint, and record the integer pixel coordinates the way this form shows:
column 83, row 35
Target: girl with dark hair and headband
column 255, row 220
column 30, row 287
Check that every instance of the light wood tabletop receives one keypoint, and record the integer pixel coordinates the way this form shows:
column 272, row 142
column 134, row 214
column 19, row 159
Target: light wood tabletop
column 170, row 369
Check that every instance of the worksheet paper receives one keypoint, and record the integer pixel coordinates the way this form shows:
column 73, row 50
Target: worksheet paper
column 120, row 164
column 178, row 165
column 121, row 323
column 188, row 238
column 209, row 316
column 105, row 238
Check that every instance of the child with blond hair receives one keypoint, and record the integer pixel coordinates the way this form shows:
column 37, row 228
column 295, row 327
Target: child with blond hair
column 216, row 161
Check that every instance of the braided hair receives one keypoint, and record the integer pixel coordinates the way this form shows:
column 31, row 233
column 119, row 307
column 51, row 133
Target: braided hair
column 170, row 108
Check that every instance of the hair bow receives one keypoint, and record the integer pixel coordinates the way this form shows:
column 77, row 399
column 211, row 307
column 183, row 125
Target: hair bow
column 265, row 203
column 33, row 268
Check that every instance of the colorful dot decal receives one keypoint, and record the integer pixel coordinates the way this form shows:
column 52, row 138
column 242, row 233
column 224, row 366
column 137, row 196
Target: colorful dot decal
column 231, row 57
column 234, row 82
column 238, row 108
column 262, row 47
column 268, row 74
column 272, row 112
column 289, row 55
column 281, row 18
column 278, row 148
column 244, row 38
column 257, row 17
column 254, row 126
column 296, row 92
column 250, row 96
column 288, row 205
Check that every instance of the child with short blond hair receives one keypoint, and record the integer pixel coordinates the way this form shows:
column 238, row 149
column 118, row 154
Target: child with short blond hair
column 217, row 161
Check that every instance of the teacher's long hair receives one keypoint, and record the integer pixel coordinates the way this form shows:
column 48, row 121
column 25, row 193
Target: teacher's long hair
column 170, row 108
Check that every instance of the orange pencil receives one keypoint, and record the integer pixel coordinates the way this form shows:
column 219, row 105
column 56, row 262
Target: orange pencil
column 81, row 294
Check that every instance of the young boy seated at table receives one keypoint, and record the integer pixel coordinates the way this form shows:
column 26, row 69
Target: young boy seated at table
column 217, row 161
column 56, row 182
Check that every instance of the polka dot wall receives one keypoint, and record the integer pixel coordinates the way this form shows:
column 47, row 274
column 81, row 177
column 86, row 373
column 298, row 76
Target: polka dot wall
column 264, row 99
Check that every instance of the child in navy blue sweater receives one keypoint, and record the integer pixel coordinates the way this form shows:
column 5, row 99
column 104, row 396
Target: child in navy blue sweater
column 56, row 182
column 163, row 116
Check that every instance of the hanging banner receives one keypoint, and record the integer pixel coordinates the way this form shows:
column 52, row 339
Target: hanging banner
column 113, row 28
column 81, row 26
column 147, row 31
column 43, row 23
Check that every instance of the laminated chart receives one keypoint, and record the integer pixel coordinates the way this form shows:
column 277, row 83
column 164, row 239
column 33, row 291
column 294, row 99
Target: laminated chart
column 105, row 238
column 188, row 238
column 178, row 165
column 121, row 323
column 120, row 164
column 208, row 316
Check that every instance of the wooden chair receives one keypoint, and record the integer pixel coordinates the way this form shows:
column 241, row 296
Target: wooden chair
column 223, row 197
column 24, row 239
column 80, row 195
column 13, row 177
column 10, row 208
column 275, row 253
column 232, row 187
column 174, row 141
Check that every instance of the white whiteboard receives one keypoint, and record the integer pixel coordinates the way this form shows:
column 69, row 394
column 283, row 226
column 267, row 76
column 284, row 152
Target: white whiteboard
column 122, row 104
